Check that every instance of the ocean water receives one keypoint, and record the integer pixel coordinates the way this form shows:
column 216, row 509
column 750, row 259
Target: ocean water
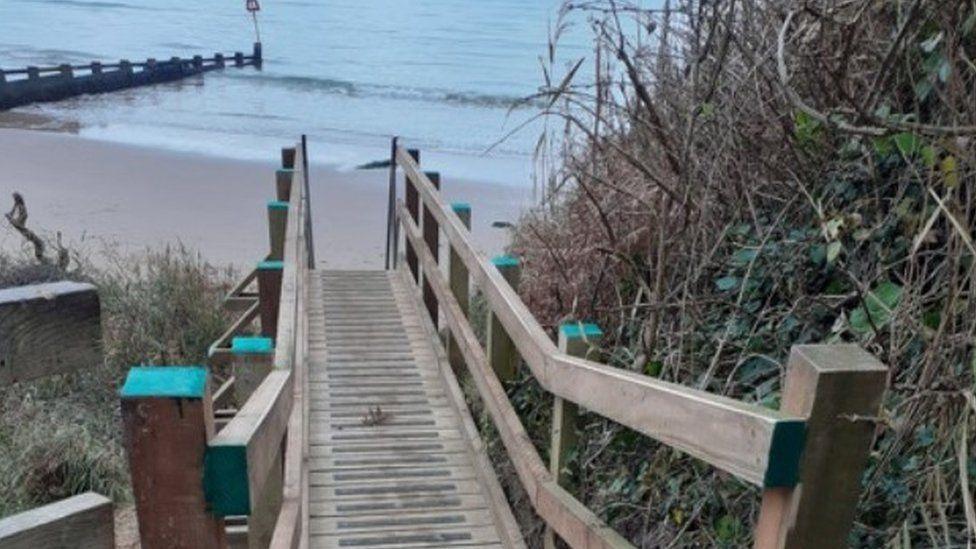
column 443, row 74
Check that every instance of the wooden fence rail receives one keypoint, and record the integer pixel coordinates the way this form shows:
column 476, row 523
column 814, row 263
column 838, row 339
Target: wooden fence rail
column 85, row 520
column 253, row 466
column 40, row 84
column 807, row 457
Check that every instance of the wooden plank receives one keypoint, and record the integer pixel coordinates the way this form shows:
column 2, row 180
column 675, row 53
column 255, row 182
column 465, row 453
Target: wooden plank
column 459, row 281
column 502, row 354
column 277, row 225
column 756, row 444
column 239, row 459
column 432, row 241
column 48, row 329
column 85, row 521
column 167, row 420
column 829, row 385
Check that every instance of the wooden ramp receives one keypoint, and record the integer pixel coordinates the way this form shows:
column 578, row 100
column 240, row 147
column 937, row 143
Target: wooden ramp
column 394, row 458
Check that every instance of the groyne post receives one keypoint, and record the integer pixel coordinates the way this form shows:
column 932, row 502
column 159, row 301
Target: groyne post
column 3, row 77
column 238, row 59
column 198, row 63
column 502, row 354
column 96, row 67
column 126, row 67
column 431, row 231
column 219, row 60
column 66, row 71
column 33, row 73
column 460, row 285
column 257, row 53
column 167, row 417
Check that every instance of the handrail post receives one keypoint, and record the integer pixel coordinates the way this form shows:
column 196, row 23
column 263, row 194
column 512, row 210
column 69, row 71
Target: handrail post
column 277, row 225
column 431, row 232
column 838, row 388
column 283, row 179
column 502, row 354
column 167, row 418
column 390, row 259
column 269, row 295
column 575, row 339
column 459, row 281
column 412, row 200
column 253, row 358
column 288, row 158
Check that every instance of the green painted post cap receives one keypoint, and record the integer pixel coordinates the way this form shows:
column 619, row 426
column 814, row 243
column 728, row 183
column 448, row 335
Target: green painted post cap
column 577, row 330
column 460, row 206
column 251, row 345
column 225, row 482
column 785, row 452
column 505, row 261
column 285, row 170
column 165, row 381
column 271, row 265
column 277, row 205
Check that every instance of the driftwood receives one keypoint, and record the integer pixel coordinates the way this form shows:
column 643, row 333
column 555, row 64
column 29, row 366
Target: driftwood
column 18, row 220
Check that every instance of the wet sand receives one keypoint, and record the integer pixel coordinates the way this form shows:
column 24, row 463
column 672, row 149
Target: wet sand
column 132, row 198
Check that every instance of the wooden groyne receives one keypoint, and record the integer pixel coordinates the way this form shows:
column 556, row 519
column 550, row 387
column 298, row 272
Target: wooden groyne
column 20, row 87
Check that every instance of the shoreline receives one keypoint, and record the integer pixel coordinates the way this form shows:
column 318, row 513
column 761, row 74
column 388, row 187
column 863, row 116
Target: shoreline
column 134, row 197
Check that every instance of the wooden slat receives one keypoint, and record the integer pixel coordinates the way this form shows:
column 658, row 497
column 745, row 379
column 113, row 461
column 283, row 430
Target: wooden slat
column 82, row 521
column 754, row 443
column 48, row 329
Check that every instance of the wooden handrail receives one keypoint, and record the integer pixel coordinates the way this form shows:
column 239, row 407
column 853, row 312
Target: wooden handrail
column 759, row 445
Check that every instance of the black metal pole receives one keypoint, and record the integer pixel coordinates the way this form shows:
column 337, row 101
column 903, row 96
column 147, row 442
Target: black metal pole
column 391, row 205
column 308, row 206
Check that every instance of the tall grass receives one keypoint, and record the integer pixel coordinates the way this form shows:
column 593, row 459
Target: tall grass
column 62, row 435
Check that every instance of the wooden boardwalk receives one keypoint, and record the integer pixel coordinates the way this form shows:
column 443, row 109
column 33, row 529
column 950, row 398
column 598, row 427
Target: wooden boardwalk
column 394, row 460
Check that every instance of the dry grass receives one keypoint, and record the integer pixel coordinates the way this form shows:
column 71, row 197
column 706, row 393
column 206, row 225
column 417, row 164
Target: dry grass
column 62, row 435
column 742, row 176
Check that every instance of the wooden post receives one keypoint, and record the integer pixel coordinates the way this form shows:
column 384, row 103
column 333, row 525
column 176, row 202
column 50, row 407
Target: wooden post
column 96, row 68
column 125, row 66
column 288, row 158
column 253, row 358
column 86, row 520
column 238, row 59
column 198, row 63
column 459, row 280
column 277, row 224
column 832, row 386
column 502, row 353
column 66, row 71
column 412, row 200
column 150, row 65
column 219, row 60
column 33, row 73
column 257, row 54
column 575, row 339
column 432, row 233
column 167, row 420
column 283, row 178
column 269, row 295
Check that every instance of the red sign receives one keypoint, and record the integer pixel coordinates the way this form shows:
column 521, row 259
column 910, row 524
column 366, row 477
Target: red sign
column 253, row 6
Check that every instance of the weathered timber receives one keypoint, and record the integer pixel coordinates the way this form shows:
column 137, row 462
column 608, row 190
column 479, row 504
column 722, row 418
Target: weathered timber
column 167, row 419
column 44, row 84
column 460, row 284
column 85, row 521
column 502, row 354
column 432, row 239
column 269, row 295
column 48, row 329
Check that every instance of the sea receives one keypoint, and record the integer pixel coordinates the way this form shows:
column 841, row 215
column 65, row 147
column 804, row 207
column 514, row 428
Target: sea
column 447, row 76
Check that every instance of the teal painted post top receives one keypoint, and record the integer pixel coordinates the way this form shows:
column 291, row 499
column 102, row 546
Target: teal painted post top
column 271, row 265
column 165, row 382
column 277, row 205
column 581, row 330
column 460, row 206
column 251, row 345
column 785, row 452
column 505, row 261
column 285, row 170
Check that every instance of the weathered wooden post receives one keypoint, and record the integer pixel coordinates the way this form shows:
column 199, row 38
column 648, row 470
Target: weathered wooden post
column 125, row 66
column 219, row 60
column 66, row 71
column 238, row 59
column 33, row 73
column 459, row 280
column 167, row 420
column 277, row 224
column 288, row 158
column 253, row 358
column 431, row 231
column 257, row 54
column 3, row 77
column 198, row 63
column 412, row 200
column 575, row 339
column 177, row 64
column 283, row 179
column 838, row 389
column 269, row 295
column 502, row 353
column 96, row 68
column 151, row 65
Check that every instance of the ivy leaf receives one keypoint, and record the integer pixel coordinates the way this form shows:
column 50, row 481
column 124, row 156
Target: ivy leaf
column 727, row 283
column 884, row 298
column 908, row 144
column 833, row 251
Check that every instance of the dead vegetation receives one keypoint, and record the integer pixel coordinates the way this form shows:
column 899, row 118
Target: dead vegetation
column 734, row 177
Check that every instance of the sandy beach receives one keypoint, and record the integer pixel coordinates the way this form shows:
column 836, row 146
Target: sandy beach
column 131, row 197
